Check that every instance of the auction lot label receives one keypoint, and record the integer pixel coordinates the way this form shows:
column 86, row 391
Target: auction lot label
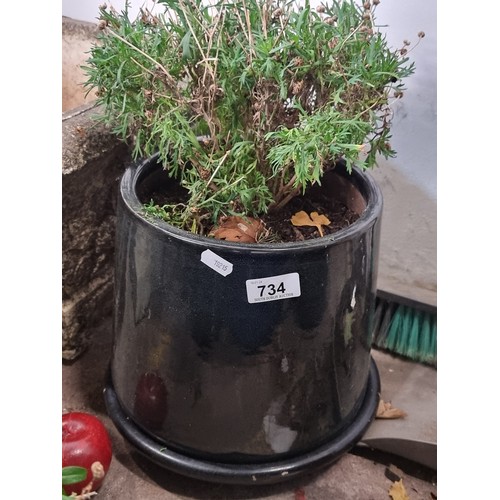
column 284, row 286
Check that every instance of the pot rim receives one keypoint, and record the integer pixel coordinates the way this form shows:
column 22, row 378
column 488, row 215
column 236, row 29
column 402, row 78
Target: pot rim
column 361, row 179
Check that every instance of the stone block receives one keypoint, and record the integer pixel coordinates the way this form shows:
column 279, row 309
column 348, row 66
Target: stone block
column 77, row 39
column 93, row 160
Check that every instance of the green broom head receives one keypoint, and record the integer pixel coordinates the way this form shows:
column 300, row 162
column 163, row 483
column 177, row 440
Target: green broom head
column 407, row 331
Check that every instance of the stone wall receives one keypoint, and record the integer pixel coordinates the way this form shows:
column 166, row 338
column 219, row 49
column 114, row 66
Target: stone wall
column 77, row 38
column 92, row 162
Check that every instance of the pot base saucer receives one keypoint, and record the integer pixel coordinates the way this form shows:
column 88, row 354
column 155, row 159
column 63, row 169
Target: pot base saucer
column 247, row 473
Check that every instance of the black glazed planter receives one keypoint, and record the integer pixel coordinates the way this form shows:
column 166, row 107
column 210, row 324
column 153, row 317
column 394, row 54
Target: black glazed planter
column 243, row 363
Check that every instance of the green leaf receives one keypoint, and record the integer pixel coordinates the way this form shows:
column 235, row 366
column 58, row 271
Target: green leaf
column 304, row 14
column 73, row 474
column 186, row 45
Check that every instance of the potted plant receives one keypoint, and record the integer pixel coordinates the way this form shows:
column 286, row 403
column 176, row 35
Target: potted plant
column 247, row 230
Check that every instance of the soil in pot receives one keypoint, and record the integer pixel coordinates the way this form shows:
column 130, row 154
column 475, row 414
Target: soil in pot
column 162, row 190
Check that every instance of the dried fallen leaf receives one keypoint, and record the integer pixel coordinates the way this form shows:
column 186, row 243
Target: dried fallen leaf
column 235, row 228
column 303, row 219
column 398, row 492
column 386, row 410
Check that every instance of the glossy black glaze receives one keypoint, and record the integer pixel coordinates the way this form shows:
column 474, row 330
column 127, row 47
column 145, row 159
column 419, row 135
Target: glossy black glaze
column 240, row 382
column 247, row 473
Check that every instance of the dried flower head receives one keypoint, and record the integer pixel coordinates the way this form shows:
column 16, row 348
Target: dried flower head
column 297, row 87
column 333, row 43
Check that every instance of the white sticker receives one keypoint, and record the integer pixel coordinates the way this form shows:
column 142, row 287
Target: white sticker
column 218, row 264
column 284, row 286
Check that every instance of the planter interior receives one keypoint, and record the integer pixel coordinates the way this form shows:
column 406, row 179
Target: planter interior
column 208, row 376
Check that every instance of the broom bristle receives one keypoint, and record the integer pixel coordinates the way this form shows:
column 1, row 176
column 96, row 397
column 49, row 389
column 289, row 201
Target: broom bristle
column 406, row 330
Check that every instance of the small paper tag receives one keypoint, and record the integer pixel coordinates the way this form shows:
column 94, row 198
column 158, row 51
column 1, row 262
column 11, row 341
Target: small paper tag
column 218, row 264
column 284, row 286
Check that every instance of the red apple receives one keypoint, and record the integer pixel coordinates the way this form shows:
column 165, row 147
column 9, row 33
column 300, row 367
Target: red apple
column 85, row 443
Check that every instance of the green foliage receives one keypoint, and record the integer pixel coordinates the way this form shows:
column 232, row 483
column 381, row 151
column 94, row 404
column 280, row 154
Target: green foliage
column 72, row 475
column 276, row 94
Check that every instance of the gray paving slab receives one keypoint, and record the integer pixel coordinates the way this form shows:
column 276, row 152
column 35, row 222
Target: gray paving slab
column 411, row 387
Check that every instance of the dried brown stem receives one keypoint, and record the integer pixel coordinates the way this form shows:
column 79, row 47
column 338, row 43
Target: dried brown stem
column 292, row 194
column 285, row 193
column 170, row 79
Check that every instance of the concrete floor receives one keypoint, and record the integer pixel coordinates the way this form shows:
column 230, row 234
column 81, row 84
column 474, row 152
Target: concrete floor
column 362, row 474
